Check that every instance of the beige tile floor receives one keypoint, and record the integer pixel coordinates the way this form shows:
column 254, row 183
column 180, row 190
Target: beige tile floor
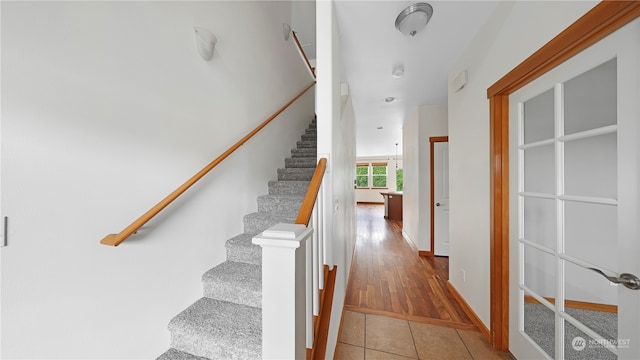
column 376, row 337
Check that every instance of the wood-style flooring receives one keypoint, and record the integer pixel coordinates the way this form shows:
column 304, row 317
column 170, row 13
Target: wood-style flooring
column 389, row 278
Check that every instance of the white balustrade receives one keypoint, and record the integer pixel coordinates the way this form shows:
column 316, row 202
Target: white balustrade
column 293, row 263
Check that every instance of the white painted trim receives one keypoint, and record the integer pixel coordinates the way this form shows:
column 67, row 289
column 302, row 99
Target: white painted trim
column 406, row 236
column 283, row 292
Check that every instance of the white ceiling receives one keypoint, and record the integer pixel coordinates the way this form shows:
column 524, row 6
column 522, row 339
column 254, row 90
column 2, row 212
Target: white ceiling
column 371, row 47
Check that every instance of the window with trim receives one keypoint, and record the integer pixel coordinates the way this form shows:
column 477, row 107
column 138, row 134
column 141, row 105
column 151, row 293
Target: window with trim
column 379, row 175
column 362, row 176
column 371, row 175
column 399, row 180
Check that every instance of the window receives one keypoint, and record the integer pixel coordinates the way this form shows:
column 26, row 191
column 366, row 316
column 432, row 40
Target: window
column 362, row 175
column 371, row 175
column 399, row 180
column 379, row 175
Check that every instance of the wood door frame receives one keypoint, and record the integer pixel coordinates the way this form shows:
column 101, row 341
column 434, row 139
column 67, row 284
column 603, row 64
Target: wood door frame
column 432, row 141
column 604, row 19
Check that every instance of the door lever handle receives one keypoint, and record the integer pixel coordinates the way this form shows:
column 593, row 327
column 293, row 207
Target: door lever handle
column 629, row 280
column 438, row 204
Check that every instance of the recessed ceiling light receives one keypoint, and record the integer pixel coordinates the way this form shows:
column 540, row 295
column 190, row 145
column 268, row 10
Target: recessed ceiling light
column 414, row 18
column 389, row 99
column 379, row 128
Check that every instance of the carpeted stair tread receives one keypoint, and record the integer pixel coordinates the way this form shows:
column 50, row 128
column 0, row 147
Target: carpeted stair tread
column 173, row 354
column 304, row 174
column 291, row 187
column 303, row 152
column 236, row 282
column 241, row 249
column 309, row 137
column 300, row 162
column 279, row 202
column 259, row 221
column 218, row 330
column 307, row 144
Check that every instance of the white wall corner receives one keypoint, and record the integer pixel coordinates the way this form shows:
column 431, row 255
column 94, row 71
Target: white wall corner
column 406, row 236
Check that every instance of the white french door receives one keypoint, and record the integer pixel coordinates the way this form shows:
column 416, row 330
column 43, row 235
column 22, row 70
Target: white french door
column 574, row 193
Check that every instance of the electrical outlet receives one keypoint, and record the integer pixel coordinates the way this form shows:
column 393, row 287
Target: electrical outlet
column 464, row 275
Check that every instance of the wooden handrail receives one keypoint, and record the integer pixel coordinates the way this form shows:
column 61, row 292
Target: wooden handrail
column 304, row 214
column 116, row 239
column 304, row 54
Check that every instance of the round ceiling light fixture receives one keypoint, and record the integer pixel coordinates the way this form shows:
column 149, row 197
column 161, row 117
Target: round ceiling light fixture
column 389, row 99
column 414, row 18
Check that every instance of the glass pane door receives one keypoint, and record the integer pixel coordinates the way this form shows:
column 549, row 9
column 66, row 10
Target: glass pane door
column 574, row 184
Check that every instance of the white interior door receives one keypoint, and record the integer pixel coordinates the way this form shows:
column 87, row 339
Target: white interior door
column 574, row 182
column 441, row 198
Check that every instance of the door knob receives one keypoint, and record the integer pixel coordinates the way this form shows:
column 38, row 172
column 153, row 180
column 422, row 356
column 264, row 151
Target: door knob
column 438, row 204
column 629, row 280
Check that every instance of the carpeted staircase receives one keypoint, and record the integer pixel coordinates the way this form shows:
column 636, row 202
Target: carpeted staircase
column 227, row 322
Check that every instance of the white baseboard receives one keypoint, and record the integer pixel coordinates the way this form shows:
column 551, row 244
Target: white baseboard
column 406, row 236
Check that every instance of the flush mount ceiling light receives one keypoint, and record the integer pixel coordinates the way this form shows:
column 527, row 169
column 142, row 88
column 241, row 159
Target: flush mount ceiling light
column 414, row 18
column 389, row 99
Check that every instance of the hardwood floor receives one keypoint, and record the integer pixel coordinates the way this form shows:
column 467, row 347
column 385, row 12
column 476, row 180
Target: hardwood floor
column 389, row 278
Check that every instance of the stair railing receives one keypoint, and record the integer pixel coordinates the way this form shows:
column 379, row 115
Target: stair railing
column 309, row 202
column 293, row 267
column 304, row 54
column 116, row 239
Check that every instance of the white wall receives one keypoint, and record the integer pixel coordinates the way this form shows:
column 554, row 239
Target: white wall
column 304, row 24
column 336, row 137
column 514, row 32
column 371, row 195
column 107, row 107
column 427, row 121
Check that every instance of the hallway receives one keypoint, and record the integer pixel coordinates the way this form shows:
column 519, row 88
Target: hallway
column 398, row 305
column 389, row 278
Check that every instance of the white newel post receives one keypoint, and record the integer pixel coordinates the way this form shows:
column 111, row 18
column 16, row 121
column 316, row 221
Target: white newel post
column 283, row 290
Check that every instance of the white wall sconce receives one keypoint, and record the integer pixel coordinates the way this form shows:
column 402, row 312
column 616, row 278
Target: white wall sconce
column 205, row 42
column 286, row 31
column 397, row 72
column 459, row 81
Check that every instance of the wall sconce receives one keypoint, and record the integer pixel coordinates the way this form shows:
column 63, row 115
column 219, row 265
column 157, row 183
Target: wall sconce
column 286, row 31
column 459, row 81
column 397, row 72
column 205, row 42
